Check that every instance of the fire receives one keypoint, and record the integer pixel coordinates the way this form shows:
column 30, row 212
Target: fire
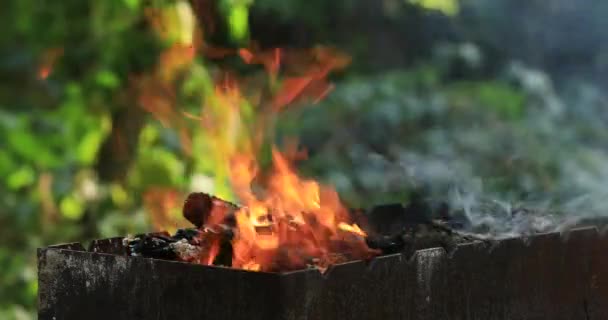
column 285, row 222
column 354, row 228
column 296, row 223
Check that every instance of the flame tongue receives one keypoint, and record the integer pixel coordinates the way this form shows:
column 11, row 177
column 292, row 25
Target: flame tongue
column 287, row 222
column 295, row 224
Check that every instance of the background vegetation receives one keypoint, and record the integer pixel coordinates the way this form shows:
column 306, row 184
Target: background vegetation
column 464, row 100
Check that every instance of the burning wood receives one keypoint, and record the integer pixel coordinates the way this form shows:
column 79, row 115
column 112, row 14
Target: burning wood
column 199, row 206
column 217, row 226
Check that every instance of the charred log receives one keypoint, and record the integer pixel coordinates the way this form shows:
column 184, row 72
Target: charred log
column 189, row 245
column 199, row 206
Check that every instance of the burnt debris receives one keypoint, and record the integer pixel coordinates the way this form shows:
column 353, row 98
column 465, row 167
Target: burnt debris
column 193, row 244
column 422, row 224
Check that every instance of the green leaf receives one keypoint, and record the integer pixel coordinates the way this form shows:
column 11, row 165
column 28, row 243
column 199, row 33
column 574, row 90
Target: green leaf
column 149, row 134
column 22, row 177
column 499, row 97
column 238, row 22
column 132, row 4
column 119, row 195
column 31, row 147
column 71, row 207
column 6, row 164
column 107, row 79
column 88, row 146
column 447, row 7
column 23, row 143
column 159, row 167
column 504, row 99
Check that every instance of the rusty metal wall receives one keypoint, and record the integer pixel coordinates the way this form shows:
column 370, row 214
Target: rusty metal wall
column 548, row 276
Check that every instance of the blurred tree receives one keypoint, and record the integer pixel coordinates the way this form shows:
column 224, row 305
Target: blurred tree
column 65, row 69
column 379, row 34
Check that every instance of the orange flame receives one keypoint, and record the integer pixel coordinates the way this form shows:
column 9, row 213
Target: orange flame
column 354, row 228
column 296, row 223
column 285, row 222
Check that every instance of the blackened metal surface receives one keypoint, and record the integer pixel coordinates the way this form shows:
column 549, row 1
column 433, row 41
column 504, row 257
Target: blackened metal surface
column 548, row 276
column 85, row 285
column 597, row 303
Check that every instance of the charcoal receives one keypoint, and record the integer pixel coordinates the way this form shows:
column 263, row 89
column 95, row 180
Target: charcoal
column 197, row 209
column 391, row 218
column 151, row 246
column 422, row 223
column 456, row 220
column 386, row 244
column 182, row 245
column 224, row 257
column 188, row 234
column 433, row 234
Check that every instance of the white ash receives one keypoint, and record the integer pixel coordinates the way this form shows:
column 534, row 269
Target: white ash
column 126, row 241
column 185, row 250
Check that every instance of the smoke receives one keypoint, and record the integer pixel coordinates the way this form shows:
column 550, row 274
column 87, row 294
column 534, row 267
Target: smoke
column 561, row 179
column 507, row 121
column 540, row 168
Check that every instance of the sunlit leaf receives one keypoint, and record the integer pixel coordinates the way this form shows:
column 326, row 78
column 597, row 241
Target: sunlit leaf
column 149, row 134
column 71, row 207
column 447, row 7
column 108, row 79
column 32, row 287
column 158, row 167
column 238, row 21
column 119, row 195
column 20, row 178
column 88, row 147
column 132, row 4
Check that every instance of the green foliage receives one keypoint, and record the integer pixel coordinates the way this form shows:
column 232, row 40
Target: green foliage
column 448, row 7
column 51, row 129
column 506, row 100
